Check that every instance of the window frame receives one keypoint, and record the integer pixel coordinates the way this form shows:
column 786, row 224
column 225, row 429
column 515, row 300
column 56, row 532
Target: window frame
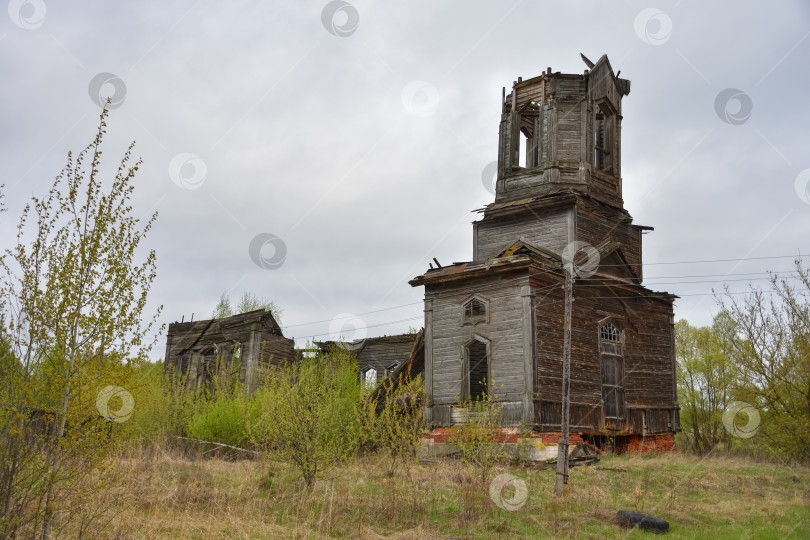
column 472, row 320
column 465, row 365
column 611, row 359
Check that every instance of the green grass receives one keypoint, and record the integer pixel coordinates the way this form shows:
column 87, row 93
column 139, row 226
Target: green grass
column 701, row 498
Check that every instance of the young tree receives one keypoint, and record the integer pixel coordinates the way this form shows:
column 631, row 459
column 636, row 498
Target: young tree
column 308, row 413
column 392, row 421
column 76, row 292
column 223, row 308
column 248, row 302
column 771, row 347
column 706, row 381
column 477, row 437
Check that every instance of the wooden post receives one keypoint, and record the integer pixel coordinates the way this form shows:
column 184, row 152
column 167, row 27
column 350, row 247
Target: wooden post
column 562, row 448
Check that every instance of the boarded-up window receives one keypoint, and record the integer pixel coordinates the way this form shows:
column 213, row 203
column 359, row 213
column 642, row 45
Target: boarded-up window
column 477, row 369
column 209, row 365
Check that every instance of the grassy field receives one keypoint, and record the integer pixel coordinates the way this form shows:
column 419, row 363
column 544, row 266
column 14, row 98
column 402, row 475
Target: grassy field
column 167, row 496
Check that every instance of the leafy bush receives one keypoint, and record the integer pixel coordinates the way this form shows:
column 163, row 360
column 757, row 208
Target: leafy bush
column 222, row 420
column 392, row 421
column 307, row 413
column 477, row 438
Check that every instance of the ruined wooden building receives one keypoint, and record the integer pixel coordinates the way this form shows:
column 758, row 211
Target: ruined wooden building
column 242, row 344
column 378, row 357
column 495, row 324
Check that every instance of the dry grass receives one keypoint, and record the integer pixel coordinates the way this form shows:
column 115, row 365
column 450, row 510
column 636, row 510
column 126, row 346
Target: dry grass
column 168, row 496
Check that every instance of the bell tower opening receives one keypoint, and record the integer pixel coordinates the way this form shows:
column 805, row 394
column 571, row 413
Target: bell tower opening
column 561, row 131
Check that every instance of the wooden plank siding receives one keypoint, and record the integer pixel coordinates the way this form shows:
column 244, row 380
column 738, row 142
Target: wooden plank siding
column 649, row 383
column 378, row 353
column 503, row 328
column 494, row 236
column 190, row 345
column 597, row 223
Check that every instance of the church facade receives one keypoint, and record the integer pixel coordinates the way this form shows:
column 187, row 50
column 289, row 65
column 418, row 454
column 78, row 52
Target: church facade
column 494, row 325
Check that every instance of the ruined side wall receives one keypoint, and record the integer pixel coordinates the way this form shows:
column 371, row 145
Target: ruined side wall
column 648, row 360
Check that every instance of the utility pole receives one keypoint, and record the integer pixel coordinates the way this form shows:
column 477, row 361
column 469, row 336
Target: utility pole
column 562, row 448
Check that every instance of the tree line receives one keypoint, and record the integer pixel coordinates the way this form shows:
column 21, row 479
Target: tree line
column 744, row 381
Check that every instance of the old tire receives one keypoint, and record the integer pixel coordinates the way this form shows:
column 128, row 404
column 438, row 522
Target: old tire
column 629, row 519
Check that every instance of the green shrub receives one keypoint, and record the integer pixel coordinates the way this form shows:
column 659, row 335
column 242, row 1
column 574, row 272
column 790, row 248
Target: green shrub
column 392, row 421
column 307, row 413
column 222, row 420
column 477, row 439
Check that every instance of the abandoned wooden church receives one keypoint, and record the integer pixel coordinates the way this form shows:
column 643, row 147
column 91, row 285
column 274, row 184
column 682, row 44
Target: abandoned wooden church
column 495, row 324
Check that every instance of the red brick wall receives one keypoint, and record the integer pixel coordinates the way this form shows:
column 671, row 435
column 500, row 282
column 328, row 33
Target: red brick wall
column 651, row 444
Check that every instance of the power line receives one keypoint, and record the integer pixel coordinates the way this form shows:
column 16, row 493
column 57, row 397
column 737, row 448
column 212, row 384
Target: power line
column 688, row 282
column 725, row 275
column 717, row 260
column 551, row 303
column 364, row 327
column 352, row 315
column 579, row 285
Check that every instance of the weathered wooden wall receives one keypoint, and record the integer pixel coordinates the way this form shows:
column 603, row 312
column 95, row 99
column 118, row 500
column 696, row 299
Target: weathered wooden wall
column 649, row 375
column 596, row 223
column 191, row 345
column 504, row 330
column 378, row 353
column 491, row 237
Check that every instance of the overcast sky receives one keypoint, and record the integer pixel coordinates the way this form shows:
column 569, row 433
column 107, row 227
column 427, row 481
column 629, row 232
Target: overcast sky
column 348, row 142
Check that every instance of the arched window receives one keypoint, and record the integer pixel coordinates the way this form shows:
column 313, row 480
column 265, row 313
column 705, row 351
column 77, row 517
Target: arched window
column 475, row 310
column 370, row 378
column 477, row 369
column 611, row 358
column 609, row 332
column 604, row 127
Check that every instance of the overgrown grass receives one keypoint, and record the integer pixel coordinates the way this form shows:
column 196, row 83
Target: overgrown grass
column 169, row 496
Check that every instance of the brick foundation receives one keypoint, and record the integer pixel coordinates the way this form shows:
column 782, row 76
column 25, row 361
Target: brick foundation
column 626, row 444
column 646, row 444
